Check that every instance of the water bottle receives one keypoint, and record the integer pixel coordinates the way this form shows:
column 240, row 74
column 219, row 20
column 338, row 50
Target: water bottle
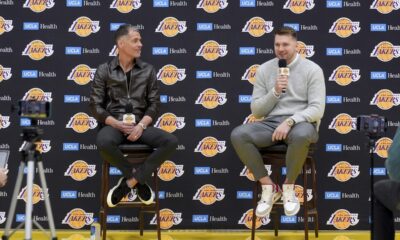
column 95, row 230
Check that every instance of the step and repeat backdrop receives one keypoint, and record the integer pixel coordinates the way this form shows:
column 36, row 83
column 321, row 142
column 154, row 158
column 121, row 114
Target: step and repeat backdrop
column 206, row 53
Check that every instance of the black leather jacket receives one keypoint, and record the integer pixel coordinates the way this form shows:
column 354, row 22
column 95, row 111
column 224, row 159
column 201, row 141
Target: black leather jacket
column 109, row 93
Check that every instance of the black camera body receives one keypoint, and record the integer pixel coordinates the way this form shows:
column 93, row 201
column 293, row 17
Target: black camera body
column 34, row 109
column 373, row 125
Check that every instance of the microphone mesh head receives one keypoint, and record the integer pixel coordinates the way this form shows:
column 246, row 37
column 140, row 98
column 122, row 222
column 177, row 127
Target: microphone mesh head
column 282, row 63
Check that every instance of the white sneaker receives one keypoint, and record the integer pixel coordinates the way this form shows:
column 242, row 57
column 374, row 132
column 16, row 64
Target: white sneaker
column 270, row 194
column 291, row 203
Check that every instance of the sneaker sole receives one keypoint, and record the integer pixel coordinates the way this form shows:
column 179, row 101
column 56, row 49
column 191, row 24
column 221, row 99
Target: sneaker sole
column 148, row 202
column 109, row 195
column 294, row 213
column 275, row 198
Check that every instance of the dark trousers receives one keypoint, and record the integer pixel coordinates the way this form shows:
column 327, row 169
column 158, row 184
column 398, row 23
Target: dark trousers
column 386, row 202
column 108, row 139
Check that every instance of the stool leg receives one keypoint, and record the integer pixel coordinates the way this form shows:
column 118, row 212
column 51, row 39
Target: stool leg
column 141, row 221
column 314, row 179
column 253, row 223
column 305, row 205
column 157, row 206
column 103, row 196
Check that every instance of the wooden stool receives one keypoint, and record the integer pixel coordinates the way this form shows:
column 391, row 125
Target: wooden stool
column 275, row 156
column 135, row 154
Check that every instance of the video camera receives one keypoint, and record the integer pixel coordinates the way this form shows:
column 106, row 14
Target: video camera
column 34, row 109
column 373, row 125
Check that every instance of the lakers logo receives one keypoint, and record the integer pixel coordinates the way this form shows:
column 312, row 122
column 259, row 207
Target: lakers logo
column 82, row 74
column 300, row 194
column 84, row 26
column 170, row 74
column 113, row 52
column 211, row 98
column 43, row 146
column 343, row 219
column 385, row 6
column 247, row 173
column 385, row 51
column 343, row 123
column 344, row 75
column 130, row 197
column 37, row 94
column 37, row 50
column 304, row 50
column 385, row 99
column 168, row 218
column 382, row 146
column 2, row 217
column 5, row 73
column 38, row 194
column 81, row 122
column 208, row 194
column 170, row 122
column 211, row 50
column 299, row 6
column 212, row 6
column 39, row 5
column 125, row 6
column 247, row 220
column 210, row 146
column 252, row 119
column 344, row 171
column 250, row 74
column 344, row 27
column 257, row 27
column 5, row 25
column 80, row 170
column 170, row 27
column 77, row 218
column 4, row 121
column 168, row 171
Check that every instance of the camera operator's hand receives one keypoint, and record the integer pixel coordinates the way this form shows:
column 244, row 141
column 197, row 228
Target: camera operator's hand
column 136, row 133
column 123, row 127
column 3, row 176
column 281, row 83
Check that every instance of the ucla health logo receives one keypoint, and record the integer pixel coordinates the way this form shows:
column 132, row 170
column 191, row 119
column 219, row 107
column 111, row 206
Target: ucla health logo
column 343, row 219
column 80, row 170
column 385, row 6
column 126, row 6
column 299, row 6
column 84, row 26
column 113, row 52
column 5, row 25
column 37, row 195
column 250, row 74
column 382, row 146
column 257, row 27
column 37, row 50
column 170, row 27
column 344, row 171
column 210, row 146
column 344, row 75
column 212, row 6
column 168, row 219
column 385, row 51
column 37, row 94
column 251, row 119
column 168, row 171
column 82, row 74
column 211, row 50
column 170, row 74
column 247, row 220
column 77, row 218
column 5, row 73
column 211, row 98
column 81, row 122
column 4, row 121
column 208, row 194
column 39, row 6
column 343, row 123
column 170, row 122
column 344, row 27
column 304, row 50
column 385, row 99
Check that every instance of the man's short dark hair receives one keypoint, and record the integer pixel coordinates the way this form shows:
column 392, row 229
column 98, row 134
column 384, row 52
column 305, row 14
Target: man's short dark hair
column 286, row 31
column 124, row 30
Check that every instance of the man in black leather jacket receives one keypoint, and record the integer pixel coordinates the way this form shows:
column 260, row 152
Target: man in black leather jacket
column 124, row 99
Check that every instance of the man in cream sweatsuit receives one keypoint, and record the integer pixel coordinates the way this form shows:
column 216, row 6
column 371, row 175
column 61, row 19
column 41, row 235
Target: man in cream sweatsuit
column 292, row 107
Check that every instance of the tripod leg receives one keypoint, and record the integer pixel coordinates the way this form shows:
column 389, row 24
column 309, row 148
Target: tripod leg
column 13, row 205
column 47, row 200
column 29, row 195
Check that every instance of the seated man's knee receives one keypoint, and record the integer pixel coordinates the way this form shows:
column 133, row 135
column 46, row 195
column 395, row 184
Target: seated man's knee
column 104, row 143
column 237, row 135
column 171, row 141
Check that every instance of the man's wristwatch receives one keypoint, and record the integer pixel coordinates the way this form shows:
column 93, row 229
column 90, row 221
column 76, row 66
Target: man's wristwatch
column 290, row 122
column 142, row 125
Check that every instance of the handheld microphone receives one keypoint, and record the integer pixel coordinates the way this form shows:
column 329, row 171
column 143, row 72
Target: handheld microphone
column 283, row 70
column 129, row 117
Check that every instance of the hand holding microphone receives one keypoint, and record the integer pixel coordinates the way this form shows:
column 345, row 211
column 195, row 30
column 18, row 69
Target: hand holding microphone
column 283, row 77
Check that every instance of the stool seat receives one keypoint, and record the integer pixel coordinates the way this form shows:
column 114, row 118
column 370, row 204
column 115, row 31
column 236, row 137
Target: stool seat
column 282, row 148
column 135, row 148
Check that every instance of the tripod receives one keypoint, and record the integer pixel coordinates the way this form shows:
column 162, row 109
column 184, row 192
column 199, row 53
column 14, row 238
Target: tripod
column 30, row 156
